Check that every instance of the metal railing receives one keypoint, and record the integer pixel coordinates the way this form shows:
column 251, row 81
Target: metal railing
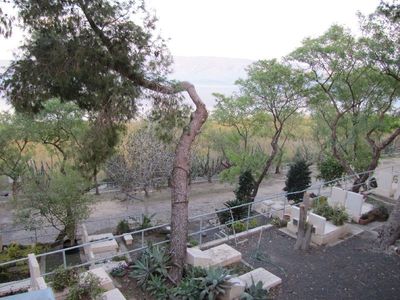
column 322, row 189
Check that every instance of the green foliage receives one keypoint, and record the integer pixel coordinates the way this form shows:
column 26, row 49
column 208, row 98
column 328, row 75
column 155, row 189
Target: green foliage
column 298, row 179
column 119, row 271
column 16, row 251
column 255, row 292
column 214, row 284
column 157, row 287
column 59, row 196
column 147, row 221
column 154, row 261
column 330, row 169
column 122, row 227
column 277, row 222
column 188, row 289
column 238, row 213
column 239, row 226
column 246, row 187
column 63, row 278
column 87, row 288
column 337, row 215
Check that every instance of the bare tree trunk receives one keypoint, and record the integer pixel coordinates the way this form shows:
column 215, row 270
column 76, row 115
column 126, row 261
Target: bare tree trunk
column 14, row 188
column 179, row 182
column 95, row 181
column 304, row 231
column 391, row 230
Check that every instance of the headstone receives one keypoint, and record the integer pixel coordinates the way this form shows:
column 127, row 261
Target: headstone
column 318, row 222
column 34, row 271
column 105, row 280
column 354, row 204
column 338, row 197
column 295, row 212
column 384, row 179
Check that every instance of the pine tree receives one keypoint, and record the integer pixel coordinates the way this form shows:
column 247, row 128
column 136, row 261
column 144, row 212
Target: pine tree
column 298, row 179
column 246, row 187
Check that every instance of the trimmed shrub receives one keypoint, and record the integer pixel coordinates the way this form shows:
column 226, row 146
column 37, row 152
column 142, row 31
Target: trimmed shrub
column 330, row 169
column 298, row 179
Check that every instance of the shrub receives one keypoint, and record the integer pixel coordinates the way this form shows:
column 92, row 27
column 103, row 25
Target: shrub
column 324, row 210
column 153, row 261
column 214, row 283
column 123, row 227
column 238, row 213
column 298, row 179
column 246, row 187
column 239, row 226
column 157, row 287
column 188, row 289
column 119, row 271
column 339, row 216
column 87, row 288
column 63, row 278
column 255, row 292
column 330, row 169
column 277, row 222
column 319, row 201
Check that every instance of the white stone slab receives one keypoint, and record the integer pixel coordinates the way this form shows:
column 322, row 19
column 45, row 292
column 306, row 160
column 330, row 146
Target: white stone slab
column 114, row 294
column 318, row 222
column 105, row 280
column 234, row 291
column 223, row 255
column 106, row 245
column 197, row 258
column 268, row 279
column 354, row 203
column 128, row 239
column 338, row 197
column 295, row 212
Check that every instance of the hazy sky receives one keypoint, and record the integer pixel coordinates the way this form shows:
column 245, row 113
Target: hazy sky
column 253, row 29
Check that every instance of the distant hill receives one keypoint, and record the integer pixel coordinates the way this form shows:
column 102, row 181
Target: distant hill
column 208, row 74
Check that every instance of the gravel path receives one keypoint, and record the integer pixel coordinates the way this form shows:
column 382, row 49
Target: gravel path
column 349, row 270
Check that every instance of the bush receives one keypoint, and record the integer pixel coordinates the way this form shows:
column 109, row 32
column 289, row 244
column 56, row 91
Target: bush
column 239, row 226
column 157, row 287
column 298, row 179
column 119, row 271
column 86, row 289
column 238, row 213
column 63, row 278
column 324, row 210
column 188, row 289
column 153, row 262
column 330, row 169
column 339, row 216
column 246, row 187
column 255, row 292
column 214, row 283
column 123, row 227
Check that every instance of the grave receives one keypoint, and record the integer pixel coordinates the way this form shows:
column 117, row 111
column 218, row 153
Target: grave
column 338, row 197
column 114, row 294
column 268, row 279
column 223, row 255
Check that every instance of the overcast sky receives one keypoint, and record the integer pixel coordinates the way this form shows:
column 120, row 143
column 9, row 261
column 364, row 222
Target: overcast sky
column 253, row 29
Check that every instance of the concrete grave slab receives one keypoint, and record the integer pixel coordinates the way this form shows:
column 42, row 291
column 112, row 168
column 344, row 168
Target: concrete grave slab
column 268, row 279
column 223, row 255
column 114, row 294
column 128, row 239
column 105, row 280
column 197, row 257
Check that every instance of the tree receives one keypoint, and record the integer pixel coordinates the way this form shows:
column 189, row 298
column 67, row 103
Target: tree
column 297, row 179
column 143, row 163
column 58, row 197
column 278, row 90
column 79, row 49
column 353, row 100
column 15, row 150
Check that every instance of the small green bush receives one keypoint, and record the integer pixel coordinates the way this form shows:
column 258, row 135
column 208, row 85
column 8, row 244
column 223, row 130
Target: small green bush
column 63, row 278
column 157, row 287
column 330, row 169
column 214, row 283
column 123, row 227
column 297, row 179
column 119, row 271
column 339, row 216
column 87, row 288
column 255, row 292
column 239, row 226
column 188, row 289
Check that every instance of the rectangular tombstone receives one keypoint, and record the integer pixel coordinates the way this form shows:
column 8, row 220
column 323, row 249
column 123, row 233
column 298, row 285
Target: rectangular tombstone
column 354, row 203
column 338, row 197
column 318, row 222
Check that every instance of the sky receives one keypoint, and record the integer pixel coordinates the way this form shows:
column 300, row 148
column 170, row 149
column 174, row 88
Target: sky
column 251, row 29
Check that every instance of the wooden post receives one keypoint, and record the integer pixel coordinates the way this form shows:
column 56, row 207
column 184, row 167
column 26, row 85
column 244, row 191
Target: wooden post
column 304, row 229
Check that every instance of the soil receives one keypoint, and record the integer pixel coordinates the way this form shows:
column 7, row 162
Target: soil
column 350, row 270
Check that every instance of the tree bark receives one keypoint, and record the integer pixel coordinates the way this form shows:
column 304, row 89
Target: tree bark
column 391, row 230
column 304, row 231
column 179, row 182
column 95, row 181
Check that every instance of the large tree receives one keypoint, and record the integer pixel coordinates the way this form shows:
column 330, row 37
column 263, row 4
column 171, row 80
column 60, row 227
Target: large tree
column 78, row 49
column 355, row 101
column 277, row 89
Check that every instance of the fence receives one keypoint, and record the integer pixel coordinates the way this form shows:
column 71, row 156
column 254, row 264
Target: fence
column 208, row 222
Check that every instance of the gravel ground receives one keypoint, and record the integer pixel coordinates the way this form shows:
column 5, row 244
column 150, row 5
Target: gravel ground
column 349, row 270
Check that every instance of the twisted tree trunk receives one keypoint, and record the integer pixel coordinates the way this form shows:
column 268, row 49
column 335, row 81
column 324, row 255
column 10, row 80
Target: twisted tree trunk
column 391, row 230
